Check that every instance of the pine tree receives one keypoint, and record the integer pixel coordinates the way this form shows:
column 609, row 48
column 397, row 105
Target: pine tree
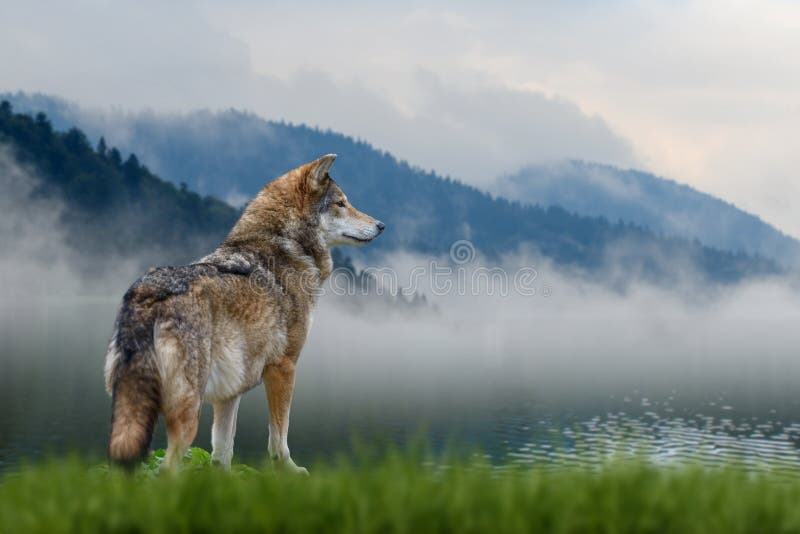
column 101, row 147
column 115, row 157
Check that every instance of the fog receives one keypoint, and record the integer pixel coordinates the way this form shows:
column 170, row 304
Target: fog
column 500, row 354
column 35, row 260
column 703, row 92
column 521, row 317
column 572, row 333
column 38, row 256
column 482, row 128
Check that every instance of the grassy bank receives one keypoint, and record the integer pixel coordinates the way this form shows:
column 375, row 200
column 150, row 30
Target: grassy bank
column 396, row 494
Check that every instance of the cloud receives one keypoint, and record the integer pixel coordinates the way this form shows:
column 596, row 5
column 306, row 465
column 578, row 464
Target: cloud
column 572, row 337
column 459, row 123
column 35, row 260
column 702, row 92
column 32, row 258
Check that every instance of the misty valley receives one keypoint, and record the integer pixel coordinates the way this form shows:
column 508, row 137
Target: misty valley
column 626, row 342
column 557, row 385
column 399, row 267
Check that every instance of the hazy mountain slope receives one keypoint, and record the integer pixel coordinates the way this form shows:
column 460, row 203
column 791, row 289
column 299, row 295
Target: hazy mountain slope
column 645, row 199
column 100, row 215
column 110, row 207
column 230, row 155
column 218, row 153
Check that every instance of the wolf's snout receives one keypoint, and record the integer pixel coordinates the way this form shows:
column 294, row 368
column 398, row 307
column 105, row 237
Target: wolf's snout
column 380, row 226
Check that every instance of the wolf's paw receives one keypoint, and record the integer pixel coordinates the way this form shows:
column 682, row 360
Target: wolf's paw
column 288, row 466
column 296, row 470
column 302, row 471
column 221, row 464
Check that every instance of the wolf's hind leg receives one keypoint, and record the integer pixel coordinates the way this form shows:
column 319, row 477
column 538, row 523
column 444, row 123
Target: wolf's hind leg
column 223, row 431
column 279, row 381
column 183, row 362
column 182, row 420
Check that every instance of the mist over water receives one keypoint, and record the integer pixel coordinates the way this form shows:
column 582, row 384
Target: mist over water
column 687, row 375
column 35, row 257
column 574, row 371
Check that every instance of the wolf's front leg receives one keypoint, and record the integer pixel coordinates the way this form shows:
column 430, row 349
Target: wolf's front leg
column 279, row 381
column 223, row 431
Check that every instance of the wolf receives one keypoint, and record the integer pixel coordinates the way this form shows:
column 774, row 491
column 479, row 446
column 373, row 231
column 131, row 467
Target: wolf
column 216, row 328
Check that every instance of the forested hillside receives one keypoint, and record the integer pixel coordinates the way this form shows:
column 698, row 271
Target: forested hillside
column 112, row 204
column 663, row 205
column 223, row 152
column 112, row 207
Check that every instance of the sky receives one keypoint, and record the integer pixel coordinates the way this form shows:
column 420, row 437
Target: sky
column 702, row 92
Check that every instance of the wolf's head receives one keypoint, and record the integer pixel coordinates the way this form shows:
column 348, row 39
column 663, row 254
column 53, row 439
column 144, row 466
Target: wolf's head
column 306, row 205
column 339, row 222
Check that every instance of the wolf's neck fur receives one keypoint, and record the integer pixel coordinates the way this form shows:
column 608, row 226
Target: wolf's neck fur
column 282, row 232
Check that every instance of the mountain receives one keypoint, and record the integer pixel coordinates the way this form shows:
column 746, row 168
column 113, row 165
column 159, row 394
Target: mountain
column 110, row 209
column 232, row 154
column 110, row 205
column 657, row 203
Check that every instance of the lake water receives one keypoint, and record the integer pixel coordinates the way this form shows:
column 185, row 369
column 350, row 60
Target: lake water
column 507, row 388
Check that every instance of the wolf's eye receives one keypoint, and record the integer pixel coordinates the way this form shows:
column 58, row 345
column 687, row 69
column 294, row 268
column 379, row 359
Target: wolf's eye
column 340, row 203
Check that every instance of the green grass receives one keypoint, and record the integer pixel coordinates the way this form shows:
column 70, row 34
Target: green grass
column 396, row 493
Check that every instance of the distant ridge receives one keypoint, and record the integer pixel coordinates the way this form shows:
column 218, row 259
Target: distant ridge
column 663, row 205
column 232, row 153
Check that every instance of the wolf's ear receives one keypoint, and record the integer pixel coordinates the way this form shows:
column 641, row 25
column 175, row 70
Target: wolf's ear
column 318, row 173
